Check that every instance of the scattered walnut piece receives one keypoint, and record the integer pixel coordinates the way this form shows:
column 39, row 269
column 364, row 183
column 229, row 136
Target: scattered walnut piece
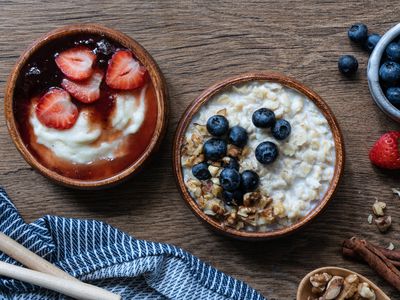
column 383, row 223
column 396, row 191
column 390, row 247
column 370, row 219
column 366, row 291
column 378, row 208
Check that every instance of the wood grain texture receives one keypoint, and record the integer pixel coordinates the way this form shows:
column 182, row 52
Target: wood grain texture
column 197, row 43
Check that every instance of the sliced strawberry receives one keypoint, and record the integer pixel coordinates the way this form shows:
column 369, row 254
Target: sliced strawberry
column 386, row 151
column 86, row 91
column 124, row 72
column 76, row 63
column 56, row 110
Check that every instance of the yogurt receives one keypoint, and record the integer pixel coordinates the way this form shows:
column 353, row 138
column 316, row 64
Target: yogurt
column 81, row 144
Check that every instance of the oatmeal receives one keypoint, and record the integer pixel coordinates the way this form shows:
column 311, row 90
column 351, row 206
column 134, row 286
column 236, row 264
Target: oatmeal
column 279, row 136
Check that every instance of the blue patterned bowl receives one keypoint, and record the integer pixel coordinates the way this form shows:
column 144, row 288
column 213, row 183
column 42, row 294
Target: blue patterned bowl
column 373, row 74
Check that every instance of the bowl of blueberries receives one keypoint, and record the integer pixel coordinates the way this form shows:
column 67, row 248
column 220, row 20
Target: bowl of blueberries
column 383, row 66
column 384, row 73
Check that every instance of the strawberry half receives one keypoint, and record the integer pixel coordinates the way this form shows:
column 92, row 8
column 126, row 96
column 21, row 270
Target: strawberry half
column 56, row 110
column 76, row 63
column 86, row 91
column 386, row 151
column 124, row 72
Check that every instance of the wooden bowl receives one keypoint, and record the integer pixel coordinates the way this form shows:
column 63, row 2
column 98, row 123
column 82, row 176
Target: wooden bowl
column 304, row 289
column 215, row 89
column 154, row 73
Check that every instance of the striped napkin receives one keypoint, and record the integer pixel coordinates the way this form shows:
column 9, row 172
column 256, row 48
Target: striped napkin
column 101, row 255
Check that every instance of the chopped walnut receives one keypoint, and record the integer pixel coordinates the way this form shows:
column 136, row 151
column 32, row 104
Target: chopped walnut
column 266, row 216
column 333, row 288
column 383, row 223
column 350, row 287
column 201, row 129
column 366, row 292
column 320, row 279
column 213, row 170
column 256, row 199
column 222, row 112
column 234, row 151
column 378, row 208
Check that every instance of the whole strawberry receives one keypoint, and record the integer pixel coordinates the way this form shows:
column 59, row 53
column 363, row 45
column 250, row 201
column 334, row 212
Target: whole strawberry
column 386, row 151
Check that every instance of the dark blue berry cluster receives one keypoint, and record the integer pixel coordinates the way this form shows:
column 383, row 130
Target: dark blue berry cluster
column 267, row 152
column 357, row 33
column 215, row 150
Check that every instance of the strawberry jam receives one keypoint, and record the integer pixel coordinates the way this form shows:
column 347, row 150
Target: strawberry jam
column 115, row 124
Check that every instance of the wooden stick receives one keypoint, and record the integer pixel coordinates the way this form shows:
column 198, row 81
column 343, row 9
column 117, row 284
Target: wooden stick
column 74, row 289
column 30, row 259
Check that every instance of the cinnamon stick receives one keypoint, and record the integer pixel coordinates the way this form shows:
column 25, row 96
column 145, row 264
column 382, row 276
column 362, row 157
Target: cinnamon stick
column 350, row 253
column 375, row 259
column 393, row 255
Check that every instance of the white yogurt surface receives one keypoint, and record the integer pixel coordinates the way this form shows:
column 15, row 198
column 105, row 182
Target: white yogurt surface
column 301, row 174
column 78, row 144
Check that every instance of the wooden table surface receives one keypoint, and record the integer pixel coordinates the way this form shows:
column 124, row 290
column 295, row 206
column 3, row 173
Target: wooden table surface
column 195, row 44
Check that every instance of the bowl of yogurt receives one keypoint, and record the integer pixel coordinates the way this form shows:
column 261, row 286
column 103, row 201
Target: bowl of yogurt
column 258, row 156
column 86, row 106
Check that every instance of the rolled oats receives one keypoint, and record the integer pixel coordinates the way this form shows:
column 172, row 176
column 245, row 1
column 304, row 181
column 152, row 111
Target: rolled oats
column 290, row 187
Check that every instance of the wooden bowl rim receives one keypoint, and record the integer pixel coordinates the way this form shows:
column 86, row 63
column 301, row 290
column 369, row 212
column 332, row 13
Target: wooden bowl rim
column 337, row 270
column 144, row 57
column 257, row 76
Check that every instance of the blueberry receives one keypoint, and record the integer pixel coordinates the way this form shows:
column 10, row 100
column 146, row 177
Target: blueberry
column 104, row 47
column 266, row 152
column 217, row 125
column 235, row 197
column 390, row 72
column 393, row 51
column 358, row 33
column 232, row 164
column 371, row 42
column 263, row 118
column 281, row 129
column 201, row 172
column 249, row 180
column 348, row 64
column 229, row 179
column 393, row 95
column 238, row 136
column 214, row 149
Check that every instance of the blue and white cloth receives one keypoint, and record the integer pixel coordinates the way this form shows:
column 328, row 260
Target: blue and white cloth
column 101, row 255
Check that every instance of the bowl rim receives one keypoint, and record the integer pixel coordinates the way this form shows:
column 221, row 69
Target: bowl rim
column 373, row 74
column 207, row 95
column 143, row 56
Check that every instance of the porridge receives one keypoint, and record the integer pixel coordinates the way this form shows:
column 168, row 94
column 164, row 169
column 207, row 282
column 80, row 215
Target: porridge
column 258, row 156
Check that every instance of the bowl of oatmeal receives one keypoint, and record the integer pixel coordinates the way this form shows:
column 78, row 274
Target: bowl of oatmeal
column 258, row 156
column 86, row 106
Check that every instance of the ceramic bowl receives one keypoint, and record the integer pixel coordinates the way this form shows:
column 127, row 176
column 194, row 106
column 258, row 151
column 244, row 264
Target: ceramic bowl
column 209, row 93
column 373, row 74
column 304, row 289
column 154, row 73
